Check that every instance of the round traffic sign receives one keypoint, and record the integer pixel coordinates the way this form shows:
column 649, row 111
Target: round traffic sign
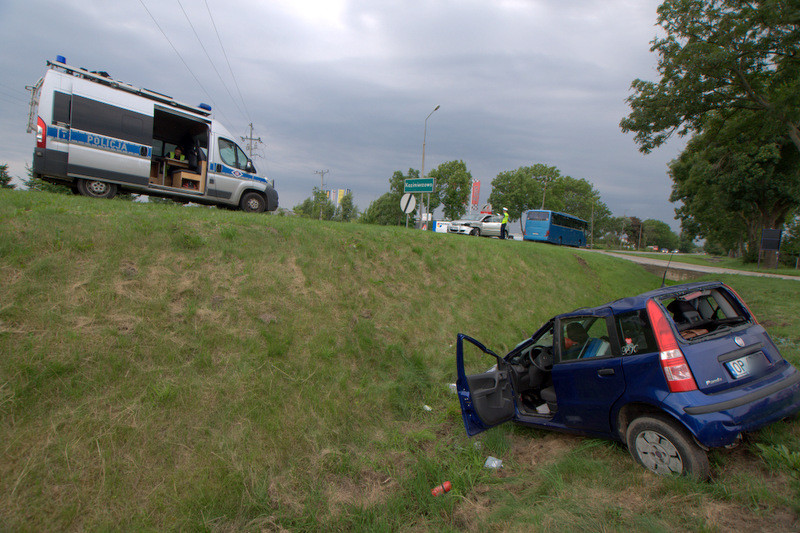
column 408, row 202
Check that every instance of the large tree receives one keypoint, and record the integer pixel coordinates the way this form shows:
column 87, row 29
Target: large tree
column 317, row 206
column 541, row 186
column 347, row 210
column 720, row 55
column 522, row 189
column 738, row 177
column 386, row 209
column 453, row 186
column 658, row 233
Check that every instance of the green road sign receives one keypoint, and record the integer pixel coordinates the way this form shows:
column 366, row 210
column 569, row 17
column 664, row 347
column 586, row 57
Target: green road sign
column 419, row 185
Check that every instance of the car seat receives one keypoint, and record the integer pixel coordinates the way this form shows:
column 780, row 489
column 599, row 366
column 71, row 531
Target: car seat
column 684, row 314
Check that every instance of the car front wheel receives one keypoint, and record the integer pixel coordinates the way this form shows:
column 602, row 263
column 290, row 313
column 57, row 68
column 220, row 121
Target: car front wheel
column 476, row 232
column 252, row 202
column 666, row 448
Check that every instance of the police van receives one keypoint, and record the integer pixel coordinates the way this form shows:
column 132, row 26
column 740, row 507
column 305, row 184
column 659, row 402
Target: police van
column 101, row 136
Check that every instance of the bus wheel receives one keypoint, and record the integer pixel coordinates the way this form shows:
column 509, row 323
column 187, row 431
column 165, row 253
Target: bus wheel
column 252, row 202
column 97, row 189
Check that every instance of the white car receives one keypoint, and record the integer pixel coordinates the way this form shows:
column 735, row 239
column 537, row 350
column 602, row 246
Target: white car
column 485, row 224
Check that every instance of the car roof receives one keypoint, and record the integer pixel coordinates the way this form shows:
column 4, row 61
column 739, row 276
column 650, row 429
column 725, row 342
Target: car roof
column 633, row 303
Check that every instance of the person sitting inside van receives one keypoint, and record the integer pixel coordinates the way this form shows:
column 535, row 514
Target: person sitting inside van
column 176, row 154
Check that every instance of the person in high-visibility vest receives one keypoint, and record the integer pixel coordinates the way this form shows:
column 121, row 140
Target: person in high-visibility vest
column 177, row 155
column 503, row 224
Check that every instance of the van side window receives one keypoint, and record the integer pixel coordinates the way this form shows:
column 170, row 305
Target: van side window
column 232, row 155
column 61, row 107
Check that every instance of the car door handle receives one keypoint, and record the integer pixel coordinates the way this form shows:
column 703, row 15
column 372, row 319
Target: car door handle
column 605, row 372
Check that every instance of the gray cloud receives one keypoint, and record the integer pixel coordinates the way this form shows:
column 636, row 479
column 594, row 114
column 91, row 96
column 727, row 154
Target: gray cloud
column 346, row 85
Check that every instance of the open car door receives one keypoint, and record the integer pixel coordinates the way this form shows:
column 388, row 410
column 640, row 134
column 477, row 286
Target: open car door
column 487, row 399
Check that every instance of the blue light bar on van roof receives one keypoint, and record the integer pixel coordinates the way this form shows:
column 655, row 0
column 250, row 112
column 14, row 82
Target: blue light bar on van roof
column 61, row 59
column 205, row 106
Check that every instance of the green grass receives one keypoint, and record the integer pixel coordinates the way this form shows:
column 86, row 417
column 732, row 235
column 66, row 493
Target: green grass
column 170, row 367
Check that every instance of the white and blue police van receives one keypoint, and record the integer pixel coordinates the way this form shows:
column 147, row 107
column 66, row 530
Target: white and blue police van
column 100, row 136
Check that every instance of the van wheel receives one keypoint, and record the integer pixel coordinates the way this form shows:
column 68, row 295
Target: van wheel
column 666, row 448
column 97, row 189
column 252, row 202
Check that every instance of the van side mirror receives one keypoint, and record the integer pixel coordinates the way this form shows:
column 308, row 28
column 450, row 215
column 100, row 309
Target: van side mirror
column 249, row 166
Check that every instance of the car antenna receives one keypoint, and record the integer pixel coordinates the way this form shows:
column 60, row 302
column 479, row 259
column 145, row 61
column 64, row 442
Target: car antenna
column 664, row 277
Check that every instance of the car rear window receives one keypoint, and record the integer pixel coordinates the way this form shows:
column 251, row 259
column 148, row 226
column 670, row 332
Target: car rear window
column 635, row 333
column 700, row 313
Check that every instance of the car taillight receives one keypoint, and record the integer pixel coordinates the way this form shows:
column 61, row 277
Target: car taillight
column 673, row 363
column 41, row 134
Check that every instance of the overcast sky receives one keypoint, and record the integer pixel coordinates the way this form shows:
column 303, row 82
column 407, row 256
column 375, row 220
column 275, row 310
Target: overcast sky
column 346, row 85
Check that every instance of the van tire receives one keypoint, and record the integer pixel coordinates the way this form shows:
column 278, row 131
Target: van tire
column 252, row 202
column 97, row 189
column 664, row 447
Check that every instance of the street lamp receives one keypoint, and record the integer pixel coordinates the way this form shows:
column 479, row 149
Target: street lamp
column 424, row 136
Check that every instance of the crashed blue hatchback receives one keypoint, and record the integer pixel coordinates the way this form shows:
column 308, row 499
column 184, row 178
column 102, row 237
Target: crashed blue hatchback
column 671, row 373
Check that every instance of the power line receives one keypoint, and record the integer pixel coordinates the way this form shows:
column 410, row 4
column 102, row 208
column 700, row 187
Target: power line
column 180, row 56
column 210, row 60
column 233, row 76
column 12, row 95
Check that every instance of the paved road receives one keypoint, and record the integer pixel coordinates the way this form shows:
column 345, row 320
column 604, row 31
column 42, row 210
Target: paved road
column 677, row 265
column 677, row 270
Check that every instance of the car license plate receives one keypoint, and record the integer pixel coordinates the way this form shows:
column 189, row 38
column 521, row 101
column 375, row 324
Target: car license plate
column 739, row 368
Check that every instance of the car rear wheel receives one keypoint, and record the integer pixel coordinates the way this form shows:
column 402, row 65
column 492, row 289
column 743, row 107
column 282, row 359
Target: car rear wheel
column 97, row 189
column 666, row 448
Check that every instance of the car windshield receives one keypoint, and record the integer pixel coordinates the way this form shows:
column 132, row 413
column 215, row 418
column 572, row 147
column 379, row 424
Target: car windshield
column 472, row 217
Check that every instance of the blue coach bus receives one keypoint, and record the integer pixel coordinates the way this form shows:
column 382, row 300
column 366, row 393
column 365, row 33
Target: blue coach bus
column 554, row 227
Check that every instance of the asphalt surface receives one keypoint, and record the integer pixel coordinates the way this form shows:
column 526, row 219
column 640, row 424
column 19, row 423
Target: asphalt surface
column 676, row 264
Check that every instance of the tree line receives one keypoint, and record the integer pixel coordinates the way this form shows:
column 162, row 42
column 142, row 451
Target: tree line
column 538, row 186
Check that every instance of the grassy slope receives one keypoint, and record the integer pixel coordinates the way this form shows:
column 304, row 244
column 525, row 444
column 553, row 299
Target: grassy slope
column 204, row 369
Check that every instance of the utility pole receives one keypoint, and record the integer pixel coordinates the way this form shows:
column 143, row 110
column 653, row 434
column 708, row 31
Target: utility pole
column 321, row 186
column 250, row 140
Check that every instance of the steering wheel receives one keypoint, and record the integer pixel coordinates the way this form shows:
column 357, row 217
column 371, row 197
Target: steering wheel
column 541, row 358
